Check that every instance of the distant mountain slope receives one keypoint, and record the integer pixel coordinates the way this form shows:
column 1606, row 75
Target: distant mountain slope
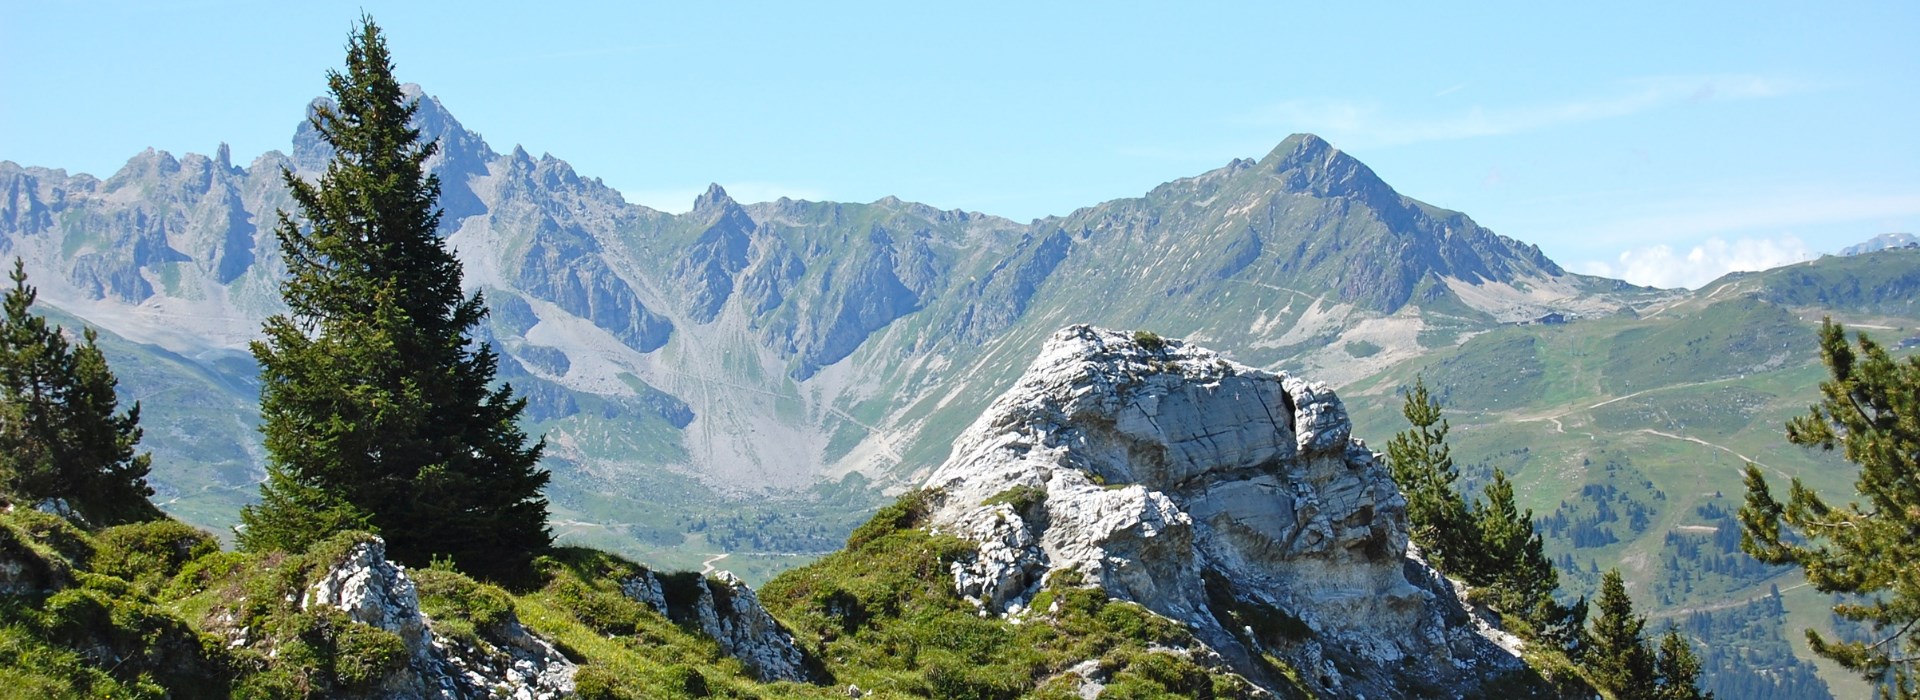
column 776, row 346
column 812, row 354
column 1626, row 436
column 1883, row 242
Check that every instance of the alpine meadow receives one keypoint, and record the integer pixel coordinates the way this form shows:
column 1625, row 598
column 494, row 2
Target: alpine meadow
column 395, row 414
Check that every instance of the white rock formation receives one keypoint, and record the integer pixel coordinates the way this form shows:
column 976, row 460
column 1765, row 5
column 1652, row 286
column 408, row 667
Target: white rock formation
column 376, row 592
column 1197, row 486
column 726, row 609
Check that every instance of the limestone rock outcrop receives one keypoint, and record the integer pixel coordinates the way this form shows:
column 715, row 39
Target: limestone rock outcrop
column 513, row 663
column 726, row 609
column 1225, row 497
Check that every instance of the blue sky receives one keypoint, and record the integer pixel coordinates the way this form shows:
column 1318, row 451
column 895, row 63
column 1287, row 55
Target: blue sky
column 1665, row 143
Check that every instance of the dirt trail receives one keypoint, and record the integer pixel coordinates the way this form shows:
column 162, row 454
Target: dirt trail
column 706, row 567
column 884, row 437
column 1722, row 448
column 1723, row 605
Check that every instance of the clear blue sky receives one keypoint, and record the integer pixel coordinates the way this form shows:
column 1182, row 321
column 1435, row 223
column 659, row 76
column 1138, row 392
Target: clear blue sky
column 1726, row 132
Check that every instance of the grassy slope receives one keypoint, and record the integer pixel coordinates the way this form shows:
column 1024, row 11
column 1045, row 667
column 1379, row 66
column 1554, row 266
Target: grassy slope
column 1684, row 397
column 146, row 611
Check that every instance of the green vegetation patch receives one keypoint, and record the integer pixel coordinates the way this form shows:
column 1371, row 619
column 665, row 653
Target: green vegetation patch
column 460, row 607
column 1702, row 411
column 626, row 649
column 1728, row 339
column 1496, row 371
column 150, row 554
column 1362, row 349
column 884, row 614
column 1022, row 499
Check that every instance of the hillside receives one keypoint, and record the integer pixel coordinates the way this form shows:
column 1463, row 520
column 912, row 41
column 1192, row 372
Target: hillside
column 1626, row 435
column 746, row 379
column 1054, row 557
column 667, row 355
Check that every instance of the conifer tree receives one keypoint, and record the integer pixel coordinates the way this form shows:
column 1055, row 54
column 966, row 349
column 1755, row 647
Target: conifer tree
column 1866, row 548
column 1677, row 670
column 1515, row 566
column 1422, row 465
column 376, row 404
column 62, row 433
column 1617, row 658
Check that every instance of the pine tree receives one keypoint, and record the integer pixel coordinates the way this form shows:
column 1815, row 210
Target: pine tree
column 1515, row 566
column 62, row 434
column 377, row 406
column 1617, row 658
column 1676, row 670
column 1867, row 548
column 1422, row 465
column 1620, row 662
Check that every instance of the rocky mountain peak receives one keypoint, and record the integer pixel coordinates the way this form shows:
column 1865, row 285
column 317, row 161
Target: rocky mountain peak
column 1202, row 489
column 460, row 154
column 310, row 152
column 711, row 201
column 1307, row 164
column 150, row 163
column 1882, row 242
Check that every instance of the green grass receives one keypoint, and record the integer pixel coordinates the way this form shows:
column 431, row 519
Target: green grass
column 883, row 614
column 1490, row 372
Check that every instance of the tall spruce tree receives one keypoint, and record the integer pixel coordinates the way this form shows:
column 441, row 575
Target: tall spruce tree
column 1422, row 465
column 377, row 405
column 1622, row 664
column 1677, row 670
column 62, row 433
column 1617, row 658
column 1515, row 567
column 1867, row 548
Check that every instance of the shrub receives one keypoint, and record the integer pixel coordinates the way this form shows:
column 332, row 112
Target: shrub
column 151, row 553
column 1021, row 498
column 461, row 607
column 909, row 511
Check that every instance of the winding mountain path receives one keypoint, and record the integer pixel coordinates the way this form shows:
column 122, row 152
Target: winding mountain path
column 706, row 567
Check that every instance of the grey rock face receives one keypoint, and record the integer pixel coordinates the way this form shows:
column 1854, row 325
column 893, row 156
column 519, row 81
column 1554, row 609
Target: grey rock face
column 998, row 300
column 726, row 609
column 1196, row 486
column 720, row 252
column 746, row 309
column 568, row 270
column 376, row 592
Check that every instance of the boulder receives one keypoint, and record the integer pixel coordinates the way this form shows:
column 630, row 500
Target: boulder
column 510, row 663
column 725, row 608
column 1211, row 493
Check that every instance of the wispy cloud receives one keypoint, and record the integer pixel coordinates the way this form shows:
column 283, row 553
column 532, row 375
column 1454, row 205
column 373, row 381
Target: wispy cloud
column 1662, row 266
column 1366, row 124
column 678, row 200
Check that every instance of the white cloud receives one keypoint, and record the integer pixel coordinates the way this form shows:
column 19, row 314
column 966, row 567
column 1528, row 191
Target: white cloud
column 678, row 200
column 1661, row 266
column 1354, row 124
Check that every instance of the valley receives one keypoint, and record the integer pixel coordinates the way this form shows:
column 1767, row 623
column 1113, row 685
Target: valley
column 752, row 380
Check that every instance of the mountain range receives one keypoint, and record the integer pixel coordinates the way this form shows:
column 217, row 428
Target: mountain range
column 749, row 379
